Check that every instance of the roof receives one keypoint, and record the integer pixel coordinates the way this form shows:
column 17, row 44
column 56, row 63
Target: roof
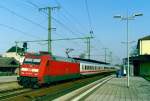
column 145, row 38
column 141, row 58
column 59, row 58
column 89, row 60
column 8, row 62
column 13, row 49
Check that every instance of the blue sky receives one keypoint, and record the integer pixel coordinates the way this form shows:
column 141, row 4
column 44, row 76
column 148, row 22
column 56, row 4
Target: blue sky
column 108, row 32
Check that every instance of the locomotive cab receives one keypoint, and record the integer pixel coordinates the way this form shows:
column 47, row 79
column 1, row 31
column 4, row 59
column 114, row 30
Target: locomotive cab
column 29, row 70
column 30, row 67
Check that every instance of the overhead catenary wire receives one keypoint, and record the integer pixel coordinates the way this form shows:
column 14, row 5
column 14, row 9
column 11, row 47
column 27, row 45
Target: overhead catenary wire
column 68, row 21
column 18, row 30
column 35, row 22
column 73, row 18
column 89, row 20
column 22, row 17
column 89, row 17
column 60, row 23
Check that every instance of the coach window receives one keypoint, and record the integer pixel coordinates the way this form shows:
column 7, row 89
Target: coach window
column 82, row 67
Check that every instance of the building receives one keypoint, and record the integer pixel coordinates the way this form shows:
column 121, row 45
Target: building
column 9, row 65
column 144, row 46
column 141, row 62
column 16, row 53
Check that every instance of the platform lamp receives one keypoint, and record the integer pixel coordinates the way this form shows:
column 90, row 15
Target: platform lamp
column 127, row 18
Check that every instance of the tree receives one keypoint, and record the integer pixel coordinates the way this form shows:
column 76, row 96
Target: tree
column 82, row 55
column 134, row 51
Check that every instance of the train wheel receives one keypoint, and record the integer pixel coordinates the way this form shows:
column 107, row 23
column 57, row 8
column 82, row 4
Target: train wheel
column 35, row 86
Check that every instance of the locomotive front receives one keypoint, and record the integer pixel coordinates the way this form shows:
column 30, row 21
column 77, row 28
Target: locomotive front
column 29, row 70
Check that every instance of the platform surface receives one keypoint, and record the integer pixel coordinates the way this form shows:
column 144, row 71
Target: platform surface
column 116, row 90
column 4, row 79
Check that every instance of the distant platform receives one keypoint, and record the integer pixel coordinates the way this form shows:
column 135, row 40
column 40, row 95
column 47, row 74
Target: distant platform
column 116, row 90
column 4, row 79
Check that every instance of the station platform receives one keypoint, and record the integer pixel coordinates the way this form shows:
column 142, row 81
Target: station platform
column 116, row 90
column 4, row 79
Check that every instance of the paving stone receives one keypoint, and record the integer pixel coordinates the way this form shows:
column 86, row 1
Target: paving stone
column 117, row 90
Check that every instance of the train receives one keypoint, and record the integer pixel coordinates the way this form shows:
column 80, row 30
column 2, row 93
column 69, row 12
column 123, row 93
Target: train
column 42, row 68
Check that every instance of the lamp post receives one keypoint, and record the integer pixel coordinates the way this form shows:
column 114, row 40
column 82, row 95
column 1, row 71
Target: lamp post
column 127, row 18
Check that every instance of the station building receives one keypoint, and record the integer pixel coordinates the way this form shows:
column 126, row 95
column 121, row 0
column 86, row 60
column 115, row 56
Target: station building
column 16, row 53
column 140, row 63
column 10, row 61
column 8, row 65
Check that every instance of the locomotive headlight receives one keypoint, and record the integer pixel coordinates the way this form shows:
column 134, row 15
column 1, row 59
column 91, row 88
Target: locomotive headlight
column 35, row 70
column 24, row 69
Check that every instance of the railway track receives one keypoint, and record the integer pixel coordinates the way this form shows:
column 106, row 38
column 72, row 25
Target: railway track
column 55, row 91
column 9, row 86
column 6, row 94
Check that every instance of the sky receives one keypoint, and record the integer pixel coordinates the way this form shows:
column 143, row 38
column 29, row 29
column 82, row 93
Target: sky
column 20, row 20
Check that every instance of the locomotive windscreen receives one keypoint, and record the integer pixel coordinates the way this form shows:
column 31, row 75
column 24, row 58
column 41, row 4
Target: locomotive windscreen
column 32, row 61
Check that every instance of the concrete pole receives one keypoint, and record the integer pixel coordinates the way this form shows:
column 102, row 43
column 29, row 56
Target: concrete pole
column 128, row 78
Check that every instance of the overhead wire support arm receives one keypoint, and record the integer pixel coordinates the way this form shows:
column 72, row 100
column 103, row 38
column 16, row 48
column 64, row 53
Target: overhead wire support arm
column 54, row 39
column 81, row 38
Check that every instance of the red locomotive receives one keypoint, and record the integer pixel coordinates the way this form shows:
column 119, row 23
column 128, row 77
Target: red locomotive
column 43, row 68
